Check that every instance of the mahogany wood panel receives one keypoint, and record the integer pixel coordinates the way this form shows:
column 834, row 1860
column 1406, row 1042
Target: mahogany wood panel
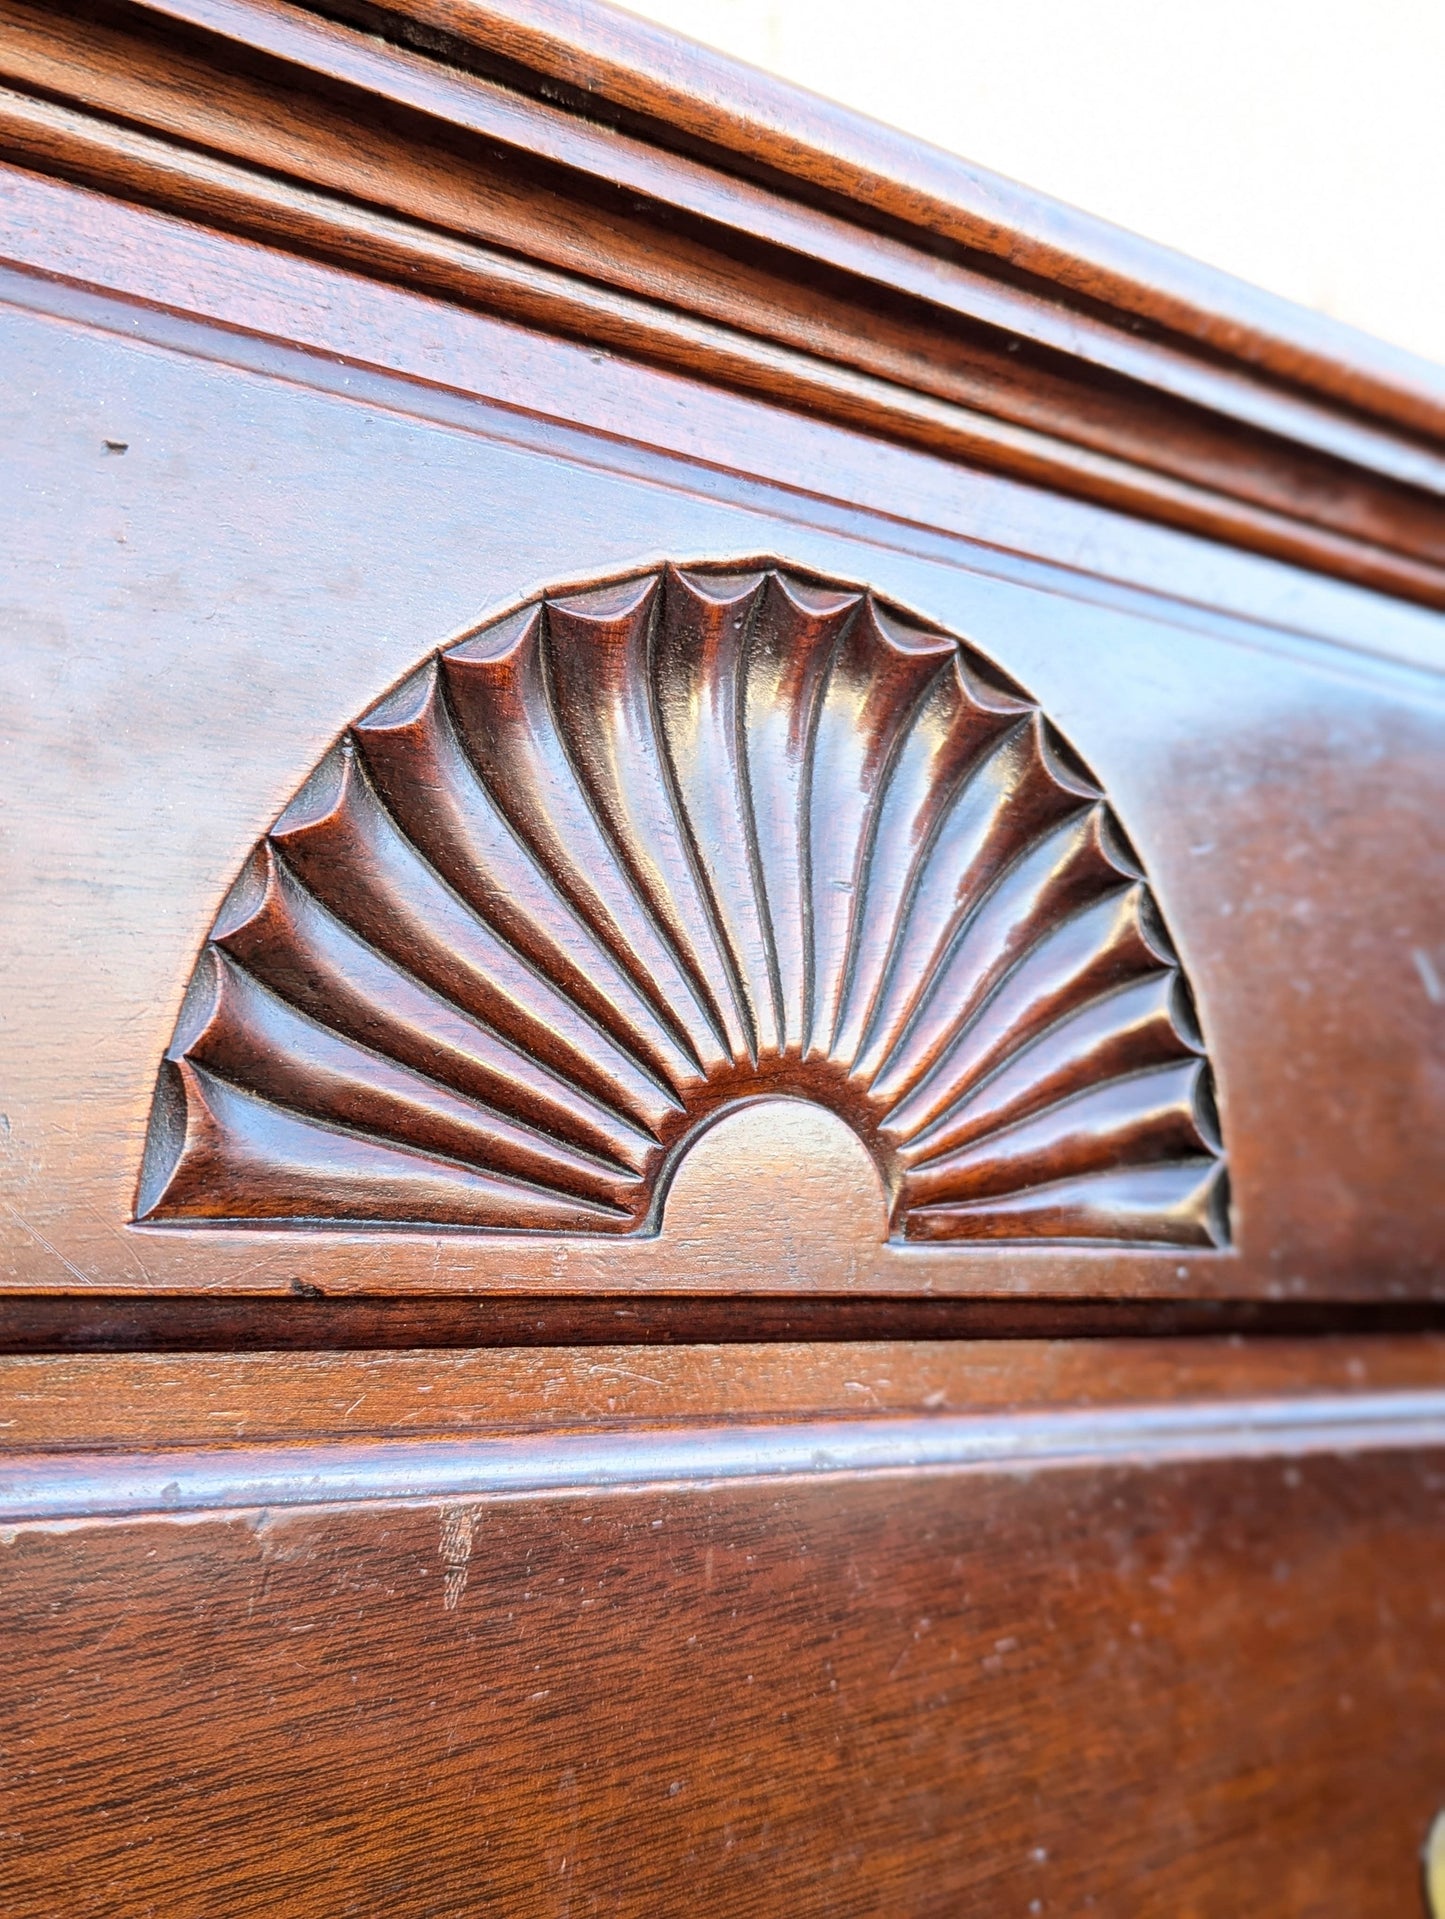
column 1115, row 1688
column 307, row 1320
column 1273, row 847
column 161, row 1400
column 684, row 768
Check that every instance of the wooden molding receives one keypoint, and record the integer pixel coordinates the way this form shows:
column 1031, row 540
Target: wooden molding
column 46, row 1489
column 610, row 63
column 824, row 270
column 305, row 1321
column 121, row 1401
column 616, row 1264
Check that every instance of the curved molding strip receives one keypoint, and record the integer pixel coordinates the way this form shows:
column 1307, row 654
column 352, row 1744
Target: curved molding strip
column 61, row 1488
column 637, row 854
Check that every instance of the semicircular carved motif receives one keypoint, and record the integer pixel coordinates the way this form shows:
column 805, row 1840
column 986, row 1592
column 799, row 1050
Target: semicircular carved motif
column 638, row 853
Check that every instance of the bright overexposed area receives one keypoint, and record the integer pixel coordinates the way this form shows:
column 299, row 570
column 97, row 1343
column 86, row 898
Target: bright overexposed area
column 1297, row 143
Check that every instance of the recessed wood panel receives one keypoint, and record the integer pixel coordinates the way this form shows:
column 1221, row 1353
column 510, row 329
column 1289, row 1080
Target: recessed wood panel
column 1279, row 795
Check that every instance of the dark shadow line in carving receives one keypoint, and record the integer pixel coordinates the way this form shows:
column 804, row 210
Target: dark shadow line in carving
column 806, row 796
column 486, row 1114
column 580, row 1096
column 987, row 749
column 975, row 1016
column 511, row 1064
column 475, row 836
column 747, row 805
column 1037, row 1042
column 868, row 841
column 631, row 968
column 548, row 988
column 967, row 921
column 445, row 1165
column 1141, row 1077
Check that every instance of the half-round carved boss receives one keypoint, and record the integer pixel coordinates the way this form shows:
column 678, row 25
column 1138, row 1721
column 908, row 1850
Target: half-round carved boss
column 634, row 854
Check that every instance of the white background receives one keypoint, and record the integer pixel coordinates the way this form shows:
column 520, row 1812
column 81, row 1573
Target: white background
column 1297, row 143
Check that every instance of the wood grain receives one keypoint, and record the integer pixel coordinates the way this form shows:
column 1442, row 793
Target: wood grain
column 693, row 98
column 851, row 1695
column 120, row 1401
column 256, row 307
column 1270, row 852
column 306, row 1320
column 653, row 1373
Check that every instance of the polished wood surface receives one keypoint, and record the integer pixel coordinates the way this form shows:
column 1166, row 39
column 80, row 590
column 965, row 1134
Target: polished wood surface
column 1110, row 1687
column 1272, row 845
column 133, row 1401
column 851, row 1629
column 263, row 303
column 720, row 1053
column 305, row 1319
column 629, row 861
column 689, row 97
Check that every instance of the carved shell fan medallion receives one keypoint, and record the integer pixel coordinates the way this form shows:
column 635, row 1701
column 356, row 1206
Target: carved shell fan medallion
column 630, row 856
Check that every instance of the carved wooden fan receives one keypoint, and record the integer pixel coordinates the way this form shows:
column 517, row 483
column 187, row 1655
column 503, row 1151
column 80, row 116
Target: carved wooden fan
column 633, row 855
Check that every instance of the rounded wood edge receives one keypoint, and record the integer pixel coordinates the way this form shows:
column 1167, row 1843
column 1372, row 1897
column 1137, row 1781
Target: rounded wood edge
column 704, row 98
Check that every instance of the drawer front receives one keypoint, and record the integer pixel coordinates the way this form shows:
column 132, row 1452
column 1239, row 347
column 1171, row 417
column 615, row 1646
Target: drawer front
column 1116, row 1685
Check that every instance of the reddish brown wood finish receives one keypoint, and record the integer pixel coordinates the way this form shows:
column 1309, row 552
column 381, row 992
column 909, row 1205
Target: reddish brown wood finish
column 629, row 860
column 121, row 1401
column 1325, row 1081
column 1267, row 860
column 581, row 532
column 611, row 63
column 1119, row 1689
column 827, row 1684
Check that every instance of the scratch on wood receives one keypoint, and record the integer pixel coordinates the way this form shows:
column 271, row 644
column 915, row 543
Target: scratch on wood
column 41, row 1240
column 456, row 1553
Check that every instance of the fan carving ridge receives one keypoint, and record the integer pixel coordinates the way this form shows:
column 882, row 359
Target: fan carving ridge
column 639, row 852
